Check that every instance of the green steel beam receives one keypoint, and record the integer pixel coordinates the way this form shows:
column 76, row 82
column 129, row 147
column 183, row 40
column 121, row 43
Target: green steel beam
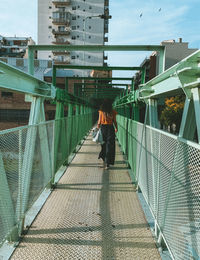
column 101, row 94
column 100, row 84
column 14, row 79
column 103, row 89
column 105, row 68
column 97, row 78
column 97, row 48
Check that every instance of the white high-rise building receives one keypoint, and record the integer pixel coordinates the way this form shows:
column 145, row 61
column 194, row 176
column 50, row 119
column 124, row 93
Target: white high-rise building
column 75, row 22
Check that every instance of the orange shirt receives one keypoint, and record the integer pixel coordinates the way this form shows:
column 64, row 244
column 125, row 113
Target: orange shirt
column 107, row 119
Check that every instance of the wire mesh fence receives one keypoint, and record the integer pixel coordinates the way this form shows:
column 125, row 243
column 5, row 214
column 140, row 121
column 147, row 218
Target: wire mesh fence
column 29, row 158
column 168, row 173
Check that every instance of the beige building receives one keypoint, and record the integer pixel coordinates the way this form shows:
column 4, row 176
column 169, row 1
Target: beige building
column 174, row 52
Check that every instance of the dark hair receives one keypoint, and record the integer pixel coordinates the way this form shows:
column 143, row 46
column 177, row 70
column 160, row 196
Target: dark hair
column 106, row 106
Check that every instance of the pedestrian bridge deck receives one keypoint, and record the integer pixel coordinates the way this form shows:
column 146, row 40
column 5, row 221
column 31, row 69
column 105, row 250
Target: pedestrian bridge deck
column 92, row 214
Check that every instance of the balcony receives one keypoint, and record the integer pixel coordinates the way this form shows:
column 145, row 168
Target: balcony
column 56, row 62
column 63, row 32
column 61, row 53
column 61, row 21
column 61, row 2
column 106, row 3
column 61, row 18
column 63, row 42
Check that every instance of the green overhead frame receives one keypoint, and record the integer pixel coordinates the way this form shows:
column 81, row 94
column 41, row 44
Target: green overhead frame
column 95, row 48
column 104, row 68
column 101, row 84
column 100, row 79
column 98, row 48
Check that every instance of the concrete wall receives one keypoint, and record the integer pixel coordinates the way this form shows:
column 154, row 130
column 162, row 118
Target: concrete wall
column 44, row 21
column 175, row 52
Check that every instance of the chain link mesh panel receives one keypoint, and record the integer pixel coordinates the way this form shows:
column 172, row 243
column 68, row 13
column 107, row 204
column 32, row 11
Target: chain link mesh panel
column 167, row 171
column 17, row 192
column 27, row 157
column 69, row 132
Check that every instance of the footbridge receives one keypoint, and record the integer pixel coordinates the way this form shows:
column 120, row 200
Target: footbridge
column 56, row 200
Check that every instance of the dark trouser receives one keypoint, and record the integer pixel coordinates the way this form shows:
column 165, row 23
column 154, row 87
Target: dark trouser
column 108, row 148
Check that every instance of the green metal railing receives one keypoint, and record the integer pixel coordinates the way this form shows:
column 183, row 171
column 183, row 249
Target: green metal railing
column 27, row 170
column 166, row 170
column 30, row 156
column 164, row 166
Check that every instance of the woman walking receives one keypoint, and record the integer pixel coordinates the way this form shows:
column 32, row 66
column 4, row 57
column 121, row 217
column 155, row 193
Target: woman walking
column 107, row 118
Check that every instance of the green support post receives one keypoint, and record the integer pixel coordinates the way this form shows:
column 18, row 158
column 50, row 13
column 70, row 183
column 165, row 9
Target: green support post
column 31, row 61
column 6, row 206
column 67, row 84
column 77, row 109
column 143, row 76
column 132, row 85
column 188, row 124
column 82, row 110
column 54, row 76
column 136, row 113
column 70, row 109
column 35, row 118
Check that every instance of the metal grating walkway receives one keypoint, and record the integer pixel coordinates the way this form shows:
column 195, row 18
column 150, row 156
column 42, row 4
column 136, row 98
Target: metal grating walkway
column 92, row 214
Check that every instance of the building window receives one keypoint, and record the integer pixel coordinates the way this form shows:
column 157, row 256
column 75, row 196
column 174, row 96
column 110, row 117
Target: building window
column 73, row 27
column 73, row 37
column 61, row 9
column 78, row 6
column 50, row 27
column 90, row 7
column 78, row 26
column 89, row 37
column 14, row 115
column 50, row 7
column 83, row 10
column 73, row 57
column 89, row 27
column 61, row 28
column 49, row 17
column 6, row 94
column 73, row 17
column 73, row 7
column 77, row 56
column 77, row 36
column 78, row 16
column 89, row 57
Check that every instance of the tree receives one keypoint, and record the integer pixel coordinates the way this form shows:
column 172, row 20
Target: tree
column 172, row 112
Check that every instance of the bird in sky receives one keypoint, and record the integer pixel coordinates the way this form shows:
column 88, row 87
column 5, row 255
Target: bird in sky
column 140, row 15
column 159, row 10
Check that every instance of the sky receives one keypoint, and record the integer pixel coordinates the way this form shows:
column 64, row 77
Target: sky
column 133, row 22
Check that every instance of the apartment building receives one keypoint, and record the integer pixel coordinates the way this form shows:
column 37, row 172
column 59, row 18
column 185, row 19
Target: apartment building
column 75, row 22
column 14, row 46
